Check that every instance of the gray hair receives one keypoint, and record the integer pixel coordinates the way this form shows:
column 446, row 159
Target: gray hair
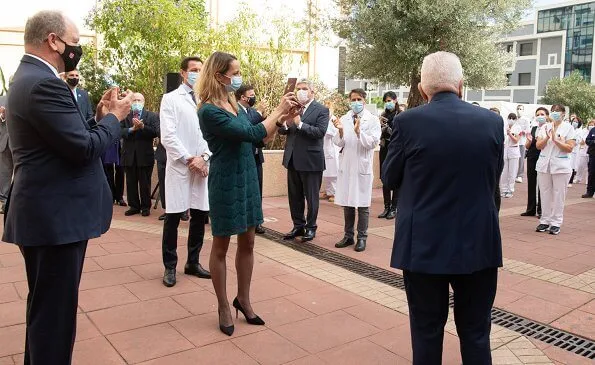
column 40, row 25
column 307, row 82
column 441, row 71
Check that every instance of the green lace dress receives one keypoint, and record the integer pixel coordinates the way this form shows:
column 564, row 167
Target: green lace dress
column 234, row 194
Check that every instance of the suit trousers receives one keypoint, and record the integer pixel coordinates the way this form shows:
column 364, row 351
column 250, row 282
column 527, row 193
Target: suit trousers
column 53, row 277
column 6, row 170
column 115, row 180
column 363, row 219
column 161, row 179
column 591, row 177
column 521, row 168
column 428, row 297
column 509, row 174
column 138, row 179
column 304, row 187
column 196, row 234
column 553, row 188
column 533, row 195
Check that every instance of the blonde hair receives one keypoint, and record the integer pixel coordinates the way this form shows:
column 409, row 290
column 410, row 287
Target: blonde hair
column 208, row 88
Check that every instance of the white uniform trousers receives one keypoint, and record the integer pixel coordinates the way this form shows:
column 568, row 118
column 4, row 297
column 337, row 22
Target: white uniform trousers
column 582, row 169
column 330, row 185
column 552, row 188
column 509, row 174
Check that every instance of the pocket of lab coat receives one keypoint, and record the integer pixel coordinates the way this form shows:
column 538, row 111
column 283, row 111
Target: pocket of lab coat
column 365, row 166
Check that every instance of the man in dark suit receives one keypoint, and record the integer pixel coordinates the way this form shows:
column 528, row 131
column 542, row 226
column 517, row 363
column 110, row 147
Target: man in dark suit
column 80, row 95
column 304, row 161
column 246, row 98
column 138, row 157
column 60, row 197
column 6, row 166
column 590, row 141
column 446, row 160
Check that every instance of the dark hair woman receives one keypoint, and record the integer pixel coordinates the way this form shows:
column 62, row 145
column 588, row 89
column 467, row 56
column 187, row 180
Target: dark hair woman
column 391, row 109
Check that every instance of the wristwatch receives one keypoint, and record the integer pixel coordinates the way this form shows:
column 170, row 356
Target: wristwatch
column 279, row 124
column 205, row 157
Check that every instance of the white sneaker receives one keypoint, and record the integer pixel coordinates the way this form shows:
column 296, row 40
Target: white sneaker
column 519, row 179
column 569, row 185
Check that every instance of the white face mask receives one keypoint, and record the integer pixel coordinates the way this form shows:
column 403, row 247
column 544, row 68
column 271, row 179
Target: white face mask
column 303, row 96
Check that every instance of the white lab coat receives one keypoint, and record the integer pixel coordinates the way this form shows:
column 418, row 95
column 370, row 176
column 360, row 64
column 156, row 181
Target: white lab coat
column 331, row 151
column 182, row 138
column 552, row 159
column 356, row 161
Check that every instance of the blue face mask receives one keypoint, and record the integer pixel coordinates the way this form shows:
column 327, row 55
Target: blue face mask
column 357, row 106
column 540, row 120
column 236, row 82
column 556, row 116
column 192, row 78
column 389, row 105
column 137, row 108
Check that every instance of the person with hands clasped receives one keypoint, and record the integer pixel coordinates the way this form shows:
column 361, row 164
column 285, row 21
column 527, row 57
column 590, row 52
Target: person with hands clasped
column 358, row 135
column 533, row 196
column 555, row 141
column 512, row 135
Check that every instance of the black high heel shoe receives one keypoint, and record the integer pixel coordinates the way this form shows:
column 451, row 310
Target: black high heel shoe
column 227, row 330
column 257, row 321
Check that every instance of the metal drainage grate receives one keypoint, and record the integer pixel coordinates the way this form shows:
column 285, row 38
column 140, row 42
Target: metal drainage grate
column 550, row 335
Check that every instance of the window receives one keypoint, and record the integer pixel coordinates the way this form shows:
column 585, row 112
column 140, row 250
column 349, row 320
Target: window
column 525, row 79
column 552, row 59
column 526, row 49
column 508, row 79
column 509, row 48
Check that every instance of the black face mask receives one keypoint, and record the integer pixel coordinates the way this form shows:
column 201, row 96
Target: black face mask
column 72, row 81
column 252, row 101
column 71, row 56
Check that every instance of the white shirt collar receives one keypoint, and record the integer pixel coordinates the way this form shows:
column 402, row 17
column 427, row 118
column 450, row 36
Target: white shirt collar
column 46, row 62
column 243, row 107
column 307, row 106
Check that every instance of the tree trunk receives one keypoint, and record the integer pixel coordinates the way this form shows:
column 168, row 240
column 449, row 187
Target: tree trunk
column 415, row 98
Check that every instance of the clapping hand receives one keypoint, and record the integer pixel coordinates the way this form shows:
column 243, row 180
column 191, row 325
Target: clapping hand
column 137, row 124
column 356, row 125
column 199, row 166
column 337, row 123
column 112, row 103
column 2, row 113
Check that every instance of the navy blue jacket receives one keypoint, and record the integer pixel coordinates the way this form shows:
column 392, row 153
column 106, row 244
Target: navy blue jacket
column 445, row 158
column 60, row 193
column 255, row 118
column 590, row 141
column 84, row 103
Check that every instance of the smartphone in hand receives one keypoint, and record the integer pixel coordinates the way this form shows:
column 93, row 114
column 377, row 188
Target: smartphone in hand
column 290, row 86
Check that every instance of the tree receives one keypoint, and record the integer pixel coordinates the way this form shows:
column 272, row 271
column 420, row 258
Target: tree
column 388, row 39
column 574, row 92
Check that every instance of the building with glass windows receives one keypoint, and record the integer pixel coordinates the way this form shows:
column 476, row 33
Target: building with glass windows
column 557, row 42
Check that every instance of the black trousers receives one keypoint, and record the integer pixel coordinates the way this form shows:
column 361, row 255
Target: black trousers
column 115, row 179
column 161, row 178
column 53, row 276
column 138, row 180
column 259, row 172
column 591, row 178
column 389, row 196
column 497, row 197
column 533, row 200
column 304, row 187
column 196, row 234
column 427, row 296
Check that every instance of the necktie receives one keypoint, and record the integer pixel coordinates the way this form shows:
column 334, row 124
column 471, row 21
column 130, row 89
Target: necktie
column 192, row 96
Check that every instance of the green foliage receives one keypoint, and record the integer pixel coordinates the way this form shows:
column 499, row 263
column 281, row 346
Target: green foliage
column 572, row 91
column 94, row 76
column 388, row 39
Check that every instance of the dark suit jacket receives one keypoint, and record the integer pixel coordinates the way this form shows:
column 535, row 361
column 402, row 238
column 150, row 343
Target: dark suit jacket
column 304, row 147
column 60, row 193
column 255, row 118
column 445, row 158
column 160, row 155
column 84, row 103
column 138, row 146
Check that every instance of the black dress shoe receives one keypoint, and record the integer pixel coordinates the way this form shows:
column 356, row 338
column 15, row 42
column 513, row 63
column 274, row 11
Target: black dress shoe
column 309, row 235
column 162, row 217
column 121, row 203
column 257, row 321
column 131, row 211
column 259, row 229
column 296, row 232
column 527, row 214
column 185, row 217
column 196, row 270
column 361, row 245
column 587, row 196
column 384, row 212
column 169, row 277
column 391, row 214
column 345, row 242
column 146, row 212
column 228, row 330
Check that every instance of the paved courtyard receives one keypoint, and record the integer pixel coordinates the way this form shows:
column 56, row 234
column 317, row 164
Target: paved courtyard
column 316, row 313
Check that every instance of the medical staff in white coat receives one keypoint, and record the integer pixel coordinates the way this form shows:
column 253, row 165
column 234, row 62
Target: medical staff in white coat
column 525, row 124
column 186, row 173
column 512, row 154
column 556, row 141
column 331, row 159
column 583, row 157
column 358, row 135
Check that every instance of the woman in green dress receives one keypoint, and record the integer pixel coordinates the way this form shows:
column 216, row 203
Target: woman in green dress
column 234, row 195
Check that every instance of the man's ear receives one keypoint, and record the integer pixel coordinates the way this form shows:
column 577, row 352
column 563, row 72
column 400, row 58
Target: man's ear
column 421, row 91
